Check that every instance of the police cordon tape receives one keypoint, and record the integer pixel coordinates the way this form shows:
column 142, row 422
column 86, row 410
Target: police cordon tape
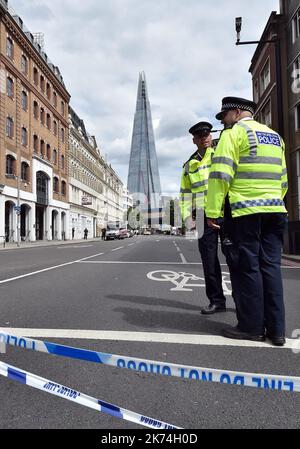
column 24, row 377
column 264, row 381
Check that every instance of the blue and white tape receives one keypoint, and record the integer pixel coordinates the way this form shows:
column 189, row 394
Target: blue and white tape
column 48, row 386
column 263, row 381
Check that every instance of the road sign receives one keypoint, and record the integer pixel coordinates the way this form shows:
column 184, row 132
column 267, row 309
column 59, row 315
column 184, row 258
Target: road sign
column 17, row 209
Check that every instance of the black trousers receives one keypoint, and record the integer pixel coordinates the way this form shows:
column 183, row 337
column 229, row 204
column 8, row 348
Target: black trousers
column 259, row 302
column 208, row 247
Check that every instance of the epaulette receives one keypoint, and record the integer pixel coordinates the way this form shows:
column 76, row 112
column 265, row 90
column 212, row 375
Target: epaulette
column 192, row 157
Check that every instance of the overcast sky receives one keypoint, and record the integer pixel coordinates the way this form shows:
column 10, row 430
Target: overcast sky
column 186, row 48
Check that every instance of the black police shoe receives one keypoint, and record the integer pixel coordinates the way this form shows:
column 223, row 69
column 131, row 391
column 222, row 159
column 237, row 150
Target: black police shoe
column 277, row 340
column 237, row 334
column 213, row 308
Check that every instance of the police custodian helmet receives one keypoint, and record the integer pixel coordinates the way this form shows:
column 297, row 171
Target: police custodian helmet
column 229, row 103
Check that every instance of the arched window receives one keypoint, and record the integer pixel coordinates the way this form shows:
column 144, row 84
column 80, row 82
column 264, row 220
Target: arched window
column 24, row 137
column 48, row 121
column 24, row 171
column 55, row 185
column 42, row 116
column 10, row 87
column 35, row 110
column 54, row 157
column 62, row 135
column 63, row 162
column 55, row 128
column 55, row 99
column 24, row 65
column 63, row 187
column 62, row 108
column 10, row 165
column 36, row 76
column 10, row 48
column 35, row 143
column 9, row 127
column 48, row 152
column 24, row 101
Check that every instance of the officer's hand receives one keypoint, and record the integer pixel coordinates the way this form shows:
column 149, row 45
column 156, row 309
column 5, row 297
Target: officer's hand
column 190, row 224
column 212, row 223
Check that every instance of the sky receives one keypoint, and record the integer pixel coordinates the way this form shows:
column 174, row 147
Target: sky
column 186, row 49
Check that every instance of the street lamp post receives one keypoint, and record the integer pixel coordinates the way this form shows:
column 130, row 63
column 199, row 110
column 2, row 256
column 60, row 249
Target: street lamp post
column 274, row 40
column 18, row 212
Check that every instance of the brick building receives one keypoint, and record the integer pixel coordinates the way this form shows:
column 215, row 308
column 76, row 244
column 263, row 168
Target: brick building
column 34, row 131
column 275, row 69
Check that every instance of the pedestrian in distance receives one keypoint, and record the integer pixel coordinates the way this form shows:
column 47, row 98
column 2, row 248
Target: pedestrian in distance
column 86, row 231
column 249, row 165
column 103, row 234
column 193, row 193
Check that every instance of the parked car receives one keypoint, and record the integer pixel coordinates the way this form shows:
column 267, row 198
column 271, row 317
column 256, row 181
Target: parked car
column 122, row 233
column 147, row 232
column 112, row 234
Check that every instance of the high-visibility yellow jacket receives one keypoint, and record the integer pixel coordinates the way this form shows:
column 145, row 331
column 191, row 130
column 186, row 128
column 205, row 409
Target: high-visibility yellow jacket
column 194, row 181
column 248, row 164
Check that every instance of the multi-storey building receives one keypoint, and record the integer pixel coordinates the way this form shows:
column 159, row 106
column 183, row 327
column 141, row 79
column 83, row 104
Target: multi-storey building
column 86, row 181
column 275, row 69
column 95, row 190
column 33, row 137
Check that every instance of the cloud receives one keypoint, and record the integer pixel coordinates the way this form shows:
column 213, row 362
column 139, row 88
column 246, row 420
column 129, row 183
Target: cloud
column 187, row 50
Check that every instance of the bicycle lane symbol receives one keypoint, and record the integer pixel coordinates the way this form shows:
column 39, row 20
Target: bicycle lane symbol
column 185, row 282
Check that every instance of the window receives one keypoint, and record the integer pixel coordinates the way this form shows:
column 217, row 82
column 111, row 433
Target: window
column 54, row 157
column 24, row 171
column 296, row 26
column 297, row 117
column 35, row 110
column 55, row 128
column 62, row 108
column 63, row 162
column 35, row 143
column 54, row 99
column 10, row 127
column 24, row 65
column 48, row 152
column 9, row 48
column 266, row 115
column 48, row 91
column 24, row 101
column 256, row 91
column 265, row 77
column 10, row 87
column 10, row 165
column 55, row 184
column 42, row 83
column 42, row 116
column 63, row 135
column 63, row 187
column 296, row 76
column 42, row 149
column 48, row 121
column 35, row 77
column 24, row 137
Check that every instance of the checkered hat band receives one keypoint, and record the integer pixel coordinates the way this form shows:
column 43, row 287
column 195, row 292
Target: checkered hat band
column 227, row 106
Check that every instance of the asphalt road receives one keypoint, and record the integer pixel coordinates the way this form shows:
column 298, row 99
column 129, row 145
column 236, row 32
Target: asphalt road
column 133, row 285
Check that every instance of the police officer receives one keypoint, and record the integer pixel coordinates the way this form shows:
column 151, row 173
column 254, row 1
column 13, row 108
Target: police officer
column 249, row 164
column 193, row 192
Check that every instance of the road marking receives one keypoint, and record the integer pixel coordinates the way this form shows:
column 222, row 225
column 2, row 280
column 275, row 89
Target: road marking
column 48, row 269
column 155, row 263
column 154, row 337
column 116, row 249
column 130, row 244
column 183, row 258
column 73, row 246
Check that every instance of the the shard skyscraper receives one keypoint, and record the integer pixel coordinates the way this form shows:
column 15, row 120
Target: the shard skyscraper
column 143, row 176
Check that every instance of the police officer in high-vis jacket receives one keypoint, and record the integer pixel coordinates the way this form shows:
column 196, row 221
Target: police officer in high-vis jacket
column 249, row 165
column 193, row 193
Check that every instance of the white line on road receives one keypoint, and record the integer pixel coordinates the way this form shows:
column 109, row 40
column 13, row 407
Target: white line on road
column 73, row 246
column 183, row 258
column 130, row 244
column 189, row 339
column 116, row 249
column 156, row 263
column 48, row 269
